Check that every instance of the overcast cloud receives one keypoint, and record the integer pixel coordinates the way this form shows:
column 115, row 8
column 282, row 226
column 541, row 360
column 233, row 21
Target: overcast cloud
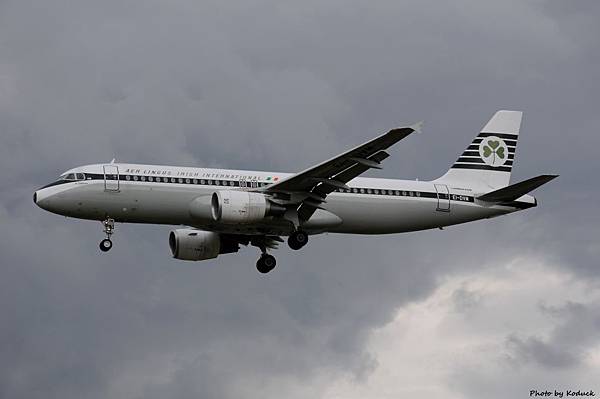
column 493, row 308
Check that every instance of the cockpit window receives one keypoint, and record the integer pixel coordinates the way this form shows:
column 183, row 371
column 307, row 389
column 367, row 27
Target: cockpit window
column 72, row 176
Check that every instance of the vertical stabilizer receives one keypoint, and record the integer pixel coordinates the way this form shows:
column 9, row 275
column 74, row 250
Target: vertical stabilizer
column 488, row 160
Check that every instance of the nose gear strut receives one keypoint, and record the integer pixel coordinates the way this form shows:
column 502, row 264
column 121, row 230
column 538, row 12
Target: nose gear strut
column 109, row 229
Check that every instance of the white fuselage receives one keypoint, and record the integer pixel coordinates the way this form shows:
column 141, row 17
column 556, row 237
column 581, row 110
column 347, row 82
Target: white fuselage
column 163, row 194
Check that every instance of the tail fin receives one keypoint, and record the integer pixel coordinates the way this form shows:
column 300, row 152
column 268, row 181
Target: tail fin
column 488, row 161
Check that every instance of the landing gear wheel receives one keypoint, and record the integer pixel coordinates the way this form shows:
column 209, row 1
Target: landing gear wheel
column 266, row 263
column 109, row 229
column 105, row 245
column 297, row 239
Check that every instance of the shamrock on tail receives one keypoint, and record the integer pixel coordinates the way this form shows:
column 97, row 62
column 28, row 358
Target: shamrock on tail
column 493, row 148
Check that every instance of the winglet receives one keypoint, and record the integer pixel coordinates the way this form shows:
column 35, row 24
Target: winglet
column 417, row 127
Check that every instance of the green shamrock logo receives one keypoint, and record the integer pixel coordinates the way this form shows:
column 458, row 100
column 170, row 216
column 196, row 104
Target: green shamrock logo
column 494, row 150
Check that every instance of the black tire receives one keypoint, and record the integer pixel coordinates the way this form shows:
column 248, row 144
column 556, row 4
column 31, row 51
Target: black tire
column 105, row 245
column 266, row 263
column 297, row 239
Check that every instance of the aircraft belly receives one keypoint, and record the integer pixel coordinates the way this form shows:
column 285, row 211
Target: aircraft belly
column 378, row 215
column 136, row 203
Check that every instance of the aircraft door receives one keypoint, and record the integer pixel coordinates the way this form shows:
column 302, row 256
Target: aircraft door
column 111, row 178
column 443, row 197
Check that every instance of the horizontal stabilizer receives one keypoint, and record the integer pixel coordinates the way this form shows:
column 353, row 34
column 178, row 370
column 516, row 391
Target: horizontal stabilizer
column 514, row 191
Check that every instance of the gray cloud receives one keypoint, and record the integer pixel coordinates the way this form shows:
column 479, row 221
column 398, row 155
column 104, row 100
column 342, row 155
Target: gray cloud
column 263, row 85
column 535, row 349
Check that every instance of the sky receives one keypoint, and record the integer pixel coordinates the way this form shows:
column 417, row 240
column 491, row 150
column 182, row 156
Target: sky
column 493, row 309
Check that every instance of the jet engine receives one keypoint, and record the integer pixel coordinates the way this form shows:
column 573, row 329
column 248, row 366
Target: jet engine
column 191, row 244
column 228, row 206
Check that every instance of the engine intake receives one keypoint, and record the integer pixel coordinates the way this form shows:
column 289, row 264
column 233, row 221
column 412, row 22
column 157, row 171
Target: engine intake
column 191, row 244
column 228, row 206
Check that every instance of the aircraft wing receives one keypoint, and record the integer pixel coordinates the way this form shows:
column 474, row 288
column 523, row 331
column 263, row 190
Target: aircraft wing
column 316, row 182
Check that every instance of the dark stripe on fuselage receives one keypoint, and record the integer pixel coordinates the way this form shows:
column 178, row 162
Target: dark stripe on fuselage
column 57, row 183
column 217, row 183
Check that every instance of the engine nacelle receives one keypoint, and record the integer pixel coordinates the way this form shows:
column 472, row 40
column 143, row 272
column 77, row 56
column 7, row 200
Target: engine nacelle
column 228, row 206
column 191, row 244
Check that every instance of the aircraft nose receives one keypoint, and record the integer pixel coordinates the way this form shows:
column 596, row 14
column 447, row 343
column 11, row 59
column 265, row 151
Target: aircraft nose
column 40, row 198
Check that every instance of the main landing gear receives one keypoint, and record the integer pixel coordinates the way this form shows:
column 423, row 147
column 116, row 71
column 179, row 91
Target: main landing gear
column 297, row 239
column 109, row 229
column 265, row 263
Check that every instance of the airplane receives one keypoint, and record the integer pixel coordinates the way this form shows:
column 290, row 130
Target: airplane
column 221, row 209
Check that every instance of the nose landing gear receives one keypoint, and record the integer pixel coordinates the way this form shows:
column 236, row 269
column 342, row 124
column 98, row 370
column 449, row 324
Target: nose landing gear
column 109, row 229
column 105, row 245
